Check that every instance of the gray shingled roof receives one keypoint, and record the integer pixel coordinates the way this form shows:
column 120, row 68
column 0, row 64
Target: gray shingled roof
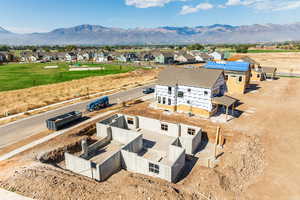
column 204, row 78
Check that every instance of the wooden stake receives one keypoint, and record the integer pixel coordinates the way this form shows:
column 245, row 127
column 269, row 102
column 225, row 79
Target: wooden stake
column 226, row 113
column 217, row 141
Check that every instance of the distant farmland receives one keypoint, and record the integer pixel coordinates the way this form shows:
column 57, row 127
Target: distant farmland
column 20, row 76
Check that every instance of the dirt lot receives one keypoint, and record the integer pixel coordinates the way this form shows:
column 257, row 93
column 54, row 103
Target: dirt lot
column 261, row 159
column 285, row 62
column 25, row 99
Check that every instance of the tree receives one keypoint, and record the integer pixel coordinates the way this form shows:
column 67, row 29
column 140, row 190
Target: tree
column 4, row 48
column 241, row 49
column 70, row 48
column 195, row 47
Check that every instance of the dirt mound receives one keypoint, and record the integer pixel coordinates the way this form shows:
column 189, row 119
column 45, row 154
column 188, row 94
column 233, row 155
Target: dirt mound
column 51, row 183
column 242, row 165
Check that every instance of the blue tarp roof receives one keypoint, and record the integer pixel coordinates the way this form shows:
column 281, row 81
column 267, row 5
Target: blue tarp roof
column 230, row 66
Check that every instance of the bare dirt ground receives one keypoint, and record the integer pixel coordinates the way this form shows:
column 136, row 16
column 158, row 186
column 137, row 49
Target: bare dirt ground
column 17, row 101
column 261, row 159
column 284, row 62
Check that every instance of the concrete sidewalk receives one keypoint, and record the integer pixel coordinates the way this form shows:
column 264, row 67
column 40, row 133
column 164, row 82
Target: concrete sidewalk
column 48, row 137
column 7, row 195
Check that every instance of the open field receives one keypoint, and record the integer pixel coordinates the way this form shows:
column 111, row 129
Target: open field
column 285, row 62
column 20, row 76
column 260, row 160
column 22, row 100
column 271, row 51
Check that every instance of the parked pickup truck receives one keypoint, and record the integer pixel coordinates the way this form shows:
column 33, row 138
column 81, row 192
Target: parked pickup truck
column 61, row 121
column 148, row 90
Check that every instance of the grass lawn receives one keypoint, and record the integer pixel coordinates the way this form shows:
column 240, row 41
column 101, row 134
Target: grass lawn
column 19, row 76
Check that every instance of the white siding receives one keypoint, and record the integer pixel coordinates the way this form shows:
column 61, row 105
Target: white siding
column 162, row 91
column 196, row 97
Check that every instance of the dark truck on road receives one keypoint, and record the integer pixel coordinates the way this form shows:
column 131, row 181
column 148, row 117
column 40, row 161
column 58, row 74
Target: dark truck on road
column 61, row 121
column 98, row 104
column 148, row 90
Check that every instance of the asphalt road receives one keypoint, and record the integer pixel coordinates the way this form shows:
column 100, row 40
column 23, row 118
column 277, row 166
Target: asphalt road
column 19, row 130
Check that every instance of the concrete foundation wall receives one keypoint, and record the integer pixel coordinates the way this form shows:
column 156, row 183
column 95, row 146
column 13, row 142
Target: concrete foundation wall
column 122, row 135
column 135, row 145
column 174, row 152
column 184, row 129
column 190, row 142
column 103, row 130
column 177, row 167
column 154, row 125
column 107, row 121
column 135, row 124
column 98, row 145
column 119, row 122
column 110, row 166
column 137, row 164
column 78, row 165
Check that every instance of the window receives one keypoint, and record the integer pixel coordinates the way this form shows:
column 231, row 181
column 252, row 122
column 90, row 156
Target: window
column 205, row 93
column 226, row 77
column 191, row 131
column 258, row 75
column 153, row 168
column 180, row 94
column 188, row 102
column 164, row 127
column 169, row 90
column 93, row 165
column 130, row 120
column 164, row 100
column 169, row 101
column 189, row 90
column 240, row 78
column 159, row 99
column 251, row 75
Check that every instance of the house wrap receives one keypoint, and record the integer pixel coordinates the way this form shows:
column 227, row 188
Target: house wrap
column 189, row 90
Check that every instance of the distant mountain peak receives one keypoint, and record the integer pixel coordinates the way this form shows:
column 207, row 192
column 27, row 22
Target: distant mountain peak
column 87, row 34
column 80, row 29
column 2, row 30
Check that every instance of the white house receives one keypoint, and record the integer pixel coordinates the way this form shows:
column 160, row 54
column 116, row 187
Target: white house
column 192, row 91
column 70, row 56
column 217, row 55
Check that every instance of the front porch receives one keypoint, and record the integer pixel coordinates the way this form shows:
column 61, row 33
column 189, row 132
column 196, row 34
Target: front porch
column 226, row 103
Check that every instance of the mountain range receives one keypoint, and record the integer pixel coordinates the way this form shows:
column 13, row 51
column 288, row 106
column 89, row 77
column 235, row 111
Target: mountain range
column 99, row 35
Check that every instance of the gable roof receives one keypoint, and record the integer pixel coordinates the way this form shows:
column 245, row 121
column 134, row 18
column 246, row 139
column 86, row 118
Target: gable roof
column 203, row 78
column 167, row 54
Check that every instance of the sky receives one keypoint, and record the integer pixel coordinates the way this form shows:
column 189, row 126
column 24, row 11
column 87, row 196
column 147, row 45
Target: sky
column 27, row 16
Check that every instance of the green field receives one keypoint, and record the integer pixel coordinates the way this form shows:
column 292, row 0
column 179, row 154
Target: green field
column 19, row 76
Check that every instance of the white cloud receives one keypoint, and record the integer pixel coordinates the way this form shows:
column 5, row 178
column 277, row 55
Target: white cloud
column 273, row 5
column 189, row 9
column 233, row 3
column 148, row 3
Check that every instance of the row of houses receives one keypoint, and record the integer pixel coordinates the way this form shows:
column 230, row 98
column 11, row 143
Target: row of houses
column 155, row 56
column 6, row 57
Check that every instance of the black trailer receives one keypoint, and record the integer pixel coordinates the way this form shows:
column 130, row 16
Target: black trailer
column 59, row 122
